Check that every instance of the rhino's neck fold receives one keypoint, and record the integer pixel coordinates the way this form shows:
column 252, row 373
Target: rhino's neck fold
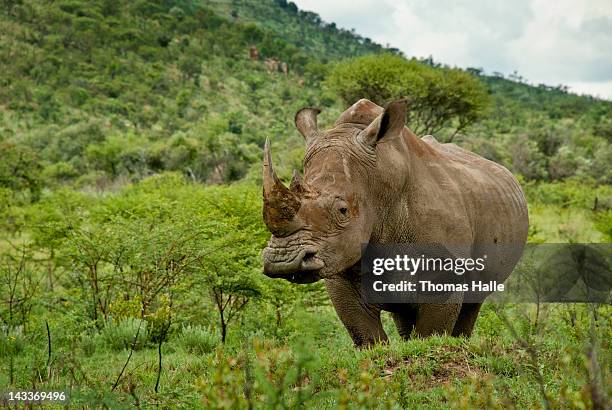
column 399, row 172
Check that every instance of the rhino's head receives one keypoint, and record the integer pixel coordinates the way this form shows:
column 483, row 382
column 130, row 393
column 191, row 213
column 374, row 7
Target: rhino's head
column 320, row 221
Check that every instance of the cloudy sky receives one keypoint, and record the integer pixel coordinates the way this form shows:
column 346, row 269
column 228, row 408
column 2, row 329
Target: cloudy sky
column 553, row 42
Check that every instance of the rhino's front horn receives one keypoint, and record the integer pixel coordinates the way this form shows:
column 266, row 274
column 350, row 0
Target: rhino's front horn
column 306, row 123
column 280, row 204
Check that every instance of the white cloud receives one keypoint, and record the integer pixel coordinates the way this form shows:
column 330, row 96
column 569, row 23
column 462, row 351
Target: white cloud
column 601, row 89
column 551, row 42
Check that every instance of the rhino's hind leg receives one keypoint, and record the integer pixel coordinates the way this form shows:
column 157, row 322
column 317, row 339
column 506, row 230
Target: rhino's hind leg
column 436, row 318
column 405, row 321
column 361, row 320
column 467, row 319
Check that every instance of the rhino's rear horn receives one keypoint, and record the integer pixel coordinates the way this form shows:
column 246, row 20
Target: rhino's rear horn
column 279, row 204
column 306, row 123
column 296, row 185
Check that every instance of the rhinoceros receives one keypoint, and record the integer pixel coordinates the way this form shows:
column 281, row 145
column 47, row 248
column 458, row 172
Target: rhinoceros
column 370, row 179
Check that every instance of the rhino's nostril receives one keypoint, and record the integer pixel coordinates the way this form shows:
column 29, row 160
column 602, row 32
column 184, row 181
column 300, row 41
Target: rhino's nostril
column 309, row 256
column 310, row 261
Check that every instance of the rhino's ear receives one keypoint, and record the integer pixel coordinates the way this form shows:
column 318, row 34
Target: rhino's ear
column 389, row 123
column 306, row 123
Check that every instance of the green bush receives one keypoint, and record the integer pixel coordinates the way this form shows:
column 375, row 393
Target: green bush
column 121, row 335
column 603, row 222
column 197, row 340
column 88, row 345
column 11, row 344
column 571, row 192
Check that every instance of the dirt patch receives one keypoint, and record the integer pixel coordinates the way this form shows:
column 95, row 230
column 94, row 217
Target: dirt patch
column 434, row 368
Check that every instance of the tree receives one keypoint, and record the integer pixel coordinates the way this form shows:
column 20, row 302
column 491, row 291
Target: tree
column 231, row 291
column 231, row 272
column 292, row 7
column 119, row 154
column 19, row 288
column 441, row 97
column 20, row 169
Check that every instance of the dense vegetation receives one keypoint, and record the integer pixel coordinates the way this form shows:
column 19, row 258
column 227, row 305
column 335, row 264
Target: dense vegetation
column 98, row 92
column 130, row 227
column 168, row 264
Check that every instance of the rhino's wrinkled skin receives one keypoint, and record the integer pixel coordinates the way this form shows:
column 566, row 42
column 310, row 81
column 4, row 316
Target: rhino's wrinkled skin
column 369, row 179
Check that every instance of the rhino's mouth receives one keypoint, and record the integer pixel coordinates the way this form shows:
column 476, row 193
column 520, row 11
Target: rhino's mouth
column 300, row 266
column 303, row 277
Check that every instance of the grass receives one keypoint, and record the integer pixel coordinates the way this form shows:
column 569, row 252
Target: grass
column 492, row 368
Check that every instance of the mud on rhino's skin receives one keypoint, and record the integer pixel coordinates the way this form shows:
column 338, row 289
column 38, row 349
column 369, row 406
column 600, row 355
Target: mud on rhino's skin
column 369, row 179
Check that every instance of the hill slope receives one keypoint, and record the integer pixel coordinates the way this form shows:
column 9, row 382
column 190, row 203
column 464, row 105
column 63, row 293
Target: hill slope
column 95, row 92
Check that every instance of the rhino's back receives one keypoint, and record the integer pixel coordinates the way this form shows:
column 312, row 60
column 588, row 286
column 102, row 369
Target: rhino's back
column 493, row 202
column 490, row 191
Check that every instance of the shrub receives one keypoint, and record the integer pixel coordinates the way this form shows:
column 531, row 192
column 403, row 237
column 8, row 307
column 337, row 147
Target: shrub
column 11, row 344
column 197, row 340
column 88, row 345
column 120, row 335
column 603, row 223
column 527, row 160
column 571, row 192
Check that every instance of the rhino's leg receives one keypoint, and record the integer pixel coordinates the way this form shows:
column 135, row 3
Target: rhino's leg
column 361, row 320
column 405, row 321
column 439, row 318
column 467, row 319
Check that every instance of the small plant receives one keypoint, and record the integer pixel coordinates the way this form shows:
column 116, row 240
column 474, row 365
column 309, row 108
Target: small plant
column 122, row 335
column 198, row 340
column 11, row 344
column 88, row 345
column 603, row 223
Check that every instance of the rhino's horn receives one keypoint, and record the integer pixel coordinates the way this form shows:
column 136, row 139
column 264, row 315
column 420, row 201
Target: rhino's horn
column 306, row 123
column 296, row 185
column 280, row 204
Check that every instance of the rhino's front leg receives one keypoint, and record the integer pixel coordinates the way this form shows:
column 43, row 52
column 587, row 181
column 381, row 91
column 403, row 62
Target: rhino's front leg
column 361, row 320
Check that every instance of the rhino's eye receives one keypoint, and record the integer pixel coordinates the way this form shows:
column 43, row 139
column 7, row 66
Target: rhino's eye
column 341, row 208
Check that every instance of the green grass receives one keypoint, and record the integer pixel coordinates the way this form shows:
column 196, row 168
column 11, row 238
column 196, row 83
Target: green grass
column 491, row 368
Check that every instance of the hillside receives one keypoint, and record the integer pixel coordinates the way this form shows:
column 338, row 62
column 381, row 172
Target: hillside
column 305, row 30
column 99, row 92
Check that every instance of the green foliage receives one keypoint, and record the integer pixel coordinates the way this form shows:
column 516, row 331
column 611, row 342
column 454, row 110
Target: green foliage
column 123, row 335
column 11, row 344
column 571, row 193
column 604, row 224
column 117, row 155
column 142, row 89
column 197, row 340
column 98, row 97
column 20, row 170
column 20, row 290
column 303, row 29
column 380, row 78
column 439, row 97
